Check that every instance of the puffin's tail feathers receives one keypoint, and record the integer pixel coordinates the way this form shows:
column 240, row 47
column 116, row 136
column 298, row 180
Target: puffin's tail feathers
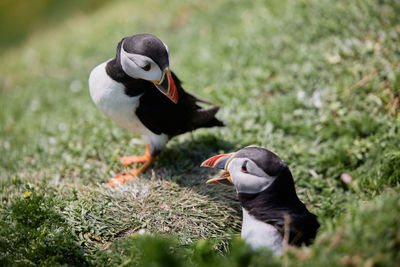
column 206, row 117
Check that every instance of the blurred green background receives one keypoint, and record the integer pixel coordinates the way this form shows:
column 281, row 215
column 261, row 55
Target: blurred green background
column 20, row 18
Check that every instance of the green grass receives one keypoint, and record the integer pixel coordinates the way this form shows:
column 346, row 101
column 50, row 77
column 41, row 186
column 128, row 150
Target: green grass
column 317, row 82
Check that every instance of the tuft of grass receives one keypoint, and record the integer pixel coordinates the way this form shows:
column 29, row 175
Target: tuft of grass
column 100, row 215
column 391, row 169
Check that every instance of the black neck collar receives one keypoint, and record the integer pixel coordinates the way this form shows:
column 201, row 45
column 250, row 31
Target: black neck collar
column 133, row 87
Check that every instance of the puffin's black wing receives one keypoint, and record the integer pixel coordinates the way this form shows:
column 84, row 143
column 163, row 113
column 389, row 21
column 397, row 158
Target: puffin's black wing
column 303, row 228
column 278, row 201
column 303, row 225
column 161, row 115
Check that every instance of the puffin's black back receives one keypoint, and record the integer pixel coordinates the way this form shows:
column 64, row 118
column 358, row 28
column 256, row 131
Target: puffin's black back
column 160, row 115
column 156, row 111
column 271, row 205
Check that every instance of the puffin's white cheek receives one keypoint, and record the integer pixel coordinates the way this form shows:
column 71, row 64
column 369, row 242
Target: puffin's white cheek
column 250, row 184
column 129, row 66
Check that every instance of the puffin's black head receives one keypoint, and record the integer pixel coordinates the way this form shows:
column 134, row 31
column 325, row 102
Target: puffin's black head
column 144, row 56
column 251, row 169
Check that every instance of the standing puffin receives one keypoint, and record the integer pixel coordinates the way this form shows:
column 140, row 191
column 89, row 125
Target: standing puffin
column 272, row 212
column 138, row 91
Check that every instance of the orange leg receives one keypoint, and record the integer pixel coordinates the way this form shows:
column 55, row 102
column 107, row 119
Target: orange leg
column 136, row 159
column 122, row 178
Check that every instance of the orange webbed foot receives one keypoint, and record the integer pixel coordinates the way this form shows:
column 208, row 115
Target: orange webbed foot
column 121, row 178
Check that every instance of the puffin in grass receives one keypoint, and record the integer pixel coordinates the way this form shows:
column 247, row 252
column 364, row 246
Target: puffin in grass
column 272, row 213
column 138, row 91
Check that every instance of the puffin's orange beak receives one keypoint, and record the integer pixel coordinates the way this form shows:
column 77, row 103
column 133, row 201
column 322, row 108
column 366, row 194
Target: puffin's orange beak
column 167, row 85
column 219, row 162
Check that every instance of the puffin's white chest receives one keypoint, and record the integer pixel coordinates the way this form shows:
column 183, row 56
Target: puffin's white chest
column 110, row 98
column 259, row 234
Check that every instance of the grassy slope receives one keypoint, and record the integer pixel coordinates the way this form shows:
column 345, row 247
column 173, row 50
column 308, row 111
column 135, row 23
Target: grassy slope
column 317, row 82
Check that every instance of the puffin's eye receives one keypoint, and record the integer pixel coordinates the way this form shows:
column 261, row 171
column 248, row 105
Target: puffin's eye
column 244, row 167
column 147, row 67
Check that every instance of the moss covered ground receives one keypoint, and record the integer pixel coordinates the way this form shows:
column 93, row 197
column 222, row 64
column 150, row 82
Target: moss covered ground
column 317, row 82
